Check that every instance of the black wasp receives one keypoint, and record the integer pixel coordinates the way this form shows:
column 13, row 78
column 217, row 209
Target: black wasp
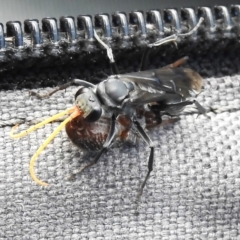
column 108, row 110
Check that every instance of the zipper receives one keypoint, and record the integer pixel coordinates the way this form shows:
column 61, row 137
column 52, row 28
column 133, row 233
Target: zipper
column 71, row 41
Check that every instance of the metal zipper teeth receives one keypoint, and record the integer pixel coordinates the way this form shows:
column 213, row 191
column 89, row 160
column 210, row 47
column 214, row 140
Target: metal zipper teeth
column 118, row 30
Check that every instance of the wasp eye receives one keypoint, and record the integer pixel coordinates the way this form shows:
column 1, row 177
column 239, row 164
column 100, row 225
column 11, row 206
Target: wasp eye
column 88, row 102
column 94, row 115
column 80, row 91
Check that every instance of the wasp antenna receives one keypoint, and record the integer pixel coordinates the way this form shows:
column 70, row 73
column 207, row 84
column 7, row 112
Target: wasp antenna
column 174, row 37
column 193, row 30
column 109, row 54
column 76, row 113
column 109, row 50
column 62, row 87
column 33, row 128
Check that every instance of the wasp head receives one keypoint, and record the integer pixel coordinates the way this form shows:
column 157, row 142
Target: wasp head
column 89, row 104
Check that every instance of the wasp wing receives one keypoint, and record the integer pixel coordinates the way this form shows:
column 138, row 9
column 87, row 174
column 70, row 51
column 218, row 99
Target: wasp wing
column 169, row 84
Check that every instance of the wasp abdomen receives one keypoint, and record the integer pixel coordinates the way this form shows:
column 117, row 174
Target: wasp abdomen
column 88, row 135
column 92, row 135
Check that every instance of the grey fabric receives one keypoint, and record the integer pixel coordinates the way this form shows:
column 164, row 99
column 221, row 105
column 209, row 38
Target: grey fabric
column 193, row 192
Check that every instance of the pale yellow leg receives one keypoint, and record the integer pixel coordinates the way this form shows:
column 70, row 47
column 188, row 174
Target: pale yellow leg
column 41, row 148
column 33, row 128
column 75, row 112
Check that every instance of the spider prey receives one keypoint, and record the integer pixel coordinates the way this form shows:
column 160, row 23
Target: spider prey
column 99, row 109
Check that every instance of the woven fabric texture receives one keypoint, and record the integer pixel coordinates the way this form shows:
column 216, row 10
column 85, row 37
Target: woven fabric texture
column 193, row 191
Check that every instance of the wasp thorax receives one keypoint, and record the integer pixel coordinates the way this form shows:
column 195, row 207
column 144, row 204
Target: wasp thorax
column 116, row 90
column 89, row 104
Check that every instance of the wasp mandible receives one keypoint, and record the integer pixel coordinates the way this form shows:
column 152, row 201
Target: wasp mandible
column 120, row 100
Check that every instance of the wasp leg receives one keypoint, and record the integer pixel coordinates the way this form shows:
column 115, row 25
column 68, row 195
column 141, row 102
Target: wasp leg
column 144, row 61
column 97, row 157
column 200, row 108
column 146, row 138
column 77, row 82
column 152, row 121
column 126, row 123
column 74, row 113
column 36, row 126
column 106, row 145
column 145, row 58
